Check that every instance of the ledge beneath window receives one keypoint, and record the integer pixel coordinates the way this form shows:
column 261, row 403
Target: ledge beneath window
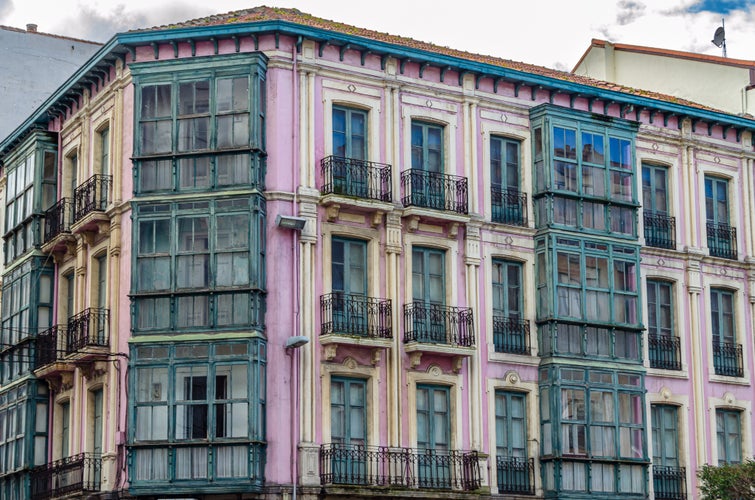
column 334, row 201
column 331, row 342
column 723, row 379
column 415, row 350
column 682, row 374
column 435, row 215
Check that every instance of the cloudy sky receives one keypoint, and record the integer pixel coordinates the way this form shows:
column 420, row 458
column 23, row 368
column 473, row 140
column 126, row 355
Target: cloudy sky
column 551, row 33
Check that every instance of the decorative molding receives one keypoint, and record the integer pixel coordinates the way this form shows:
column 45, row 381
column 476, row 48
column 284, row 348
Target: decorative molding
column 413, row 223
column 377, row 218
column 415, row 358
column 329, row 353
column 331, row 213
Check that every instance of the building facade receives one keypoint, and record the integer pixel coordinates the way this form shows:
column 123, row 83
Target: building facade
column 267, row 255
column 720, row 82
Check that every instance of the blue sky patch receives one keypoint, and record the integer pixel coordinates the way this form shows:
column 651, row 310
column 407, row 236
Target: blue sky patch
column 721, row 6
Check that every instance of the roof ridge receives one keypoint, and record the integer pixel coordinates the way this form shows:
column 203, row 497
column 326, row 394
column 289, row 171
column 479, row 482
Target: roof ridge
column 52, row 35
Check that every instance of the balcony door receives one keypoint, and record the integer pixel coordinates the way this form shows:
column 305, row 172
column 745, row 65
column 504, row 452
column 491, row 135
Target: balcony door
column 725, row 359
column 348, row 430
column 349, row 283
column 511, row 442
column 508, row 334
column 668, row 481
column 428, row 186
column 433, row 436
column 504, row 180
column 429, row 294
column 717, row 215
column 350, row 146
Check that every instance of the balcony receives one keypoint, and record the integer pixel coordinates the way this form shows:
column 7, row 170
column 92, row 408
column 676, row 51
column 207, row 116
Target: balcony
column 722, row 240
column 355, row 315
column 669, row 483
column 437, row 324
column 665, row 352
column 356, row 178
column 90, row 200
column 511, row 335
column 68, row 477
column 50, row 346
column 516, row 475
column 350, row 465
column 509, row 206
column 435, row 191
column 660, row 230
column 58, row 219
column 727, row 359
column 89, row 328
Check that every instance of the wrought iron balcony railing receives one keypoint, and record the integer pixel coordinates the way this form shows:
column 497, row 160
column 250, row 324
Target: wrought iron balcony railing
column 722, row 240
column 509, row 206
column 88, row 328
column 665, row 352
column 669, row 483
column 58, row 219
column 92, row 195
column 434, row 190
column 50, row 346
column 511, row 335
column 76, row 475
column 516, row 475
column 357, row 315
column 343, row 464
column 727, row 359
column 660, row 230
column 436, row 324
column 358, row 178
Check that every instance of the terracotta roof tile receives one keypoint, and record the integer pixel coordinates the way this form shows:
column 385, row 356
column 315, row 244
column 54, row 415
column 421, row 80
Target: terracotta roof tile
column 264, row 13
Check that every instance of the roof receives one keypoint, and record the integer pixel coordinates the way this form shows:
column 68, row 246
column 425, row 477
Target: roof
column 676, row 54
column 292, row 22
column 264, row 13
column 49, row 35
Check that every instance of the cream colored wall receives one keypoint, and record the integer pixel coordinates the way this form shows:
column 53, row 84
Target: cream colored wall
column 719, row 86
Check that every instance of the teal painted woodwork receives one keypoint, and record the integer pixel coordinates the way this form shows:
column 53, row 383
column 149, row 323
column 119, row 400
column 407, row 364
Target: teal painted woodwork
column 200, row 127
column 197, row 416
column 198, row 248
column 592, row 423
column 31, row 173
column 429, row 289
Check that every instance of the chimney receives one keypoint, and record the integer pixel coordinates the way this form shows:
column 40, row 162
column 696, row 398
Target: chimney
column 31, row 28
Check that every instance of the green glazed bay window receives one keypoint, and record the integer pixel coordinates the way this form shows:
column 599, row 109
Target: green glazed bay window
column 23, row 435
column 587, row 280
column 201, row 125
column 201, row 261
column 30, row 190
column 26, row 310
column 197, row 416
column 593, row 423
column 584, row 172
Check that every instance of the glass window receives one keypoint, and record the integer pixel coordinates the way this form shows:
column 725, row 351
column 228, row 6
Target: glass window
column 654, row 189
column 65, row 429
column 504, row 163
column 349, row 133
column 211, row 394
column 209, row 122
column 510, row 425
column 660, row 308
column 104, row 146
column 427, row 147
column 665, row 423
column 433, row 436
column 729, row 436
column 198, row 248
